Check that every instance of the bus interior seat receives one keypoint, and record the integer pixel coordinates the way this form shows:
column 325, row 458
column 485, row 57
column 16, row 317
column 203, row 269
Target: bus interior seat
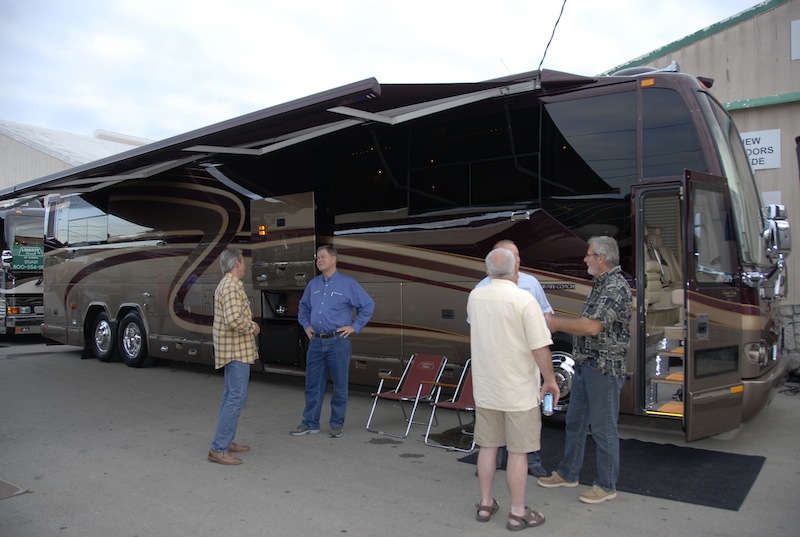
column 665, row 298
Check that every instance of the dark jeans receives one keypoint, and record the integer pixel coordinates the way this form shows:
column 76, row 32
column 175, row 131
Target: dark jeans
column 330, row 356
column 593, row 402
column 534, row 461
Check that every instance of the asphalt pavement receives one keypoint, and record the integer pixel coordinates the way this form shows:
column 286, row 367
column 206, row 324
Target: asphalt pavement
column 107, row 450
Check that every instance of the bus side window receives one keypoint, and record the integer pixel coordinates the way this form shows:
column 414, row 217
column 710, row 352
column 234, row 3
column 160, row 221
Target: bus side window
column 705, row 250
column 714, row 251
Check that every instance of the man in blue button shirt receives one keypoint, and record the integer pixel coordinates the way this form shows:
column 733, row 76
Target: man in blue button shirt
column 326, row 314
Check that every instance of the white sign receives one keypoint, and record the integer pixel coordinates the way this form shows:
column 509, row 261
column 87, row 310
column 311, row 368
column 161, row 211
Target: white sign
column 763, row 148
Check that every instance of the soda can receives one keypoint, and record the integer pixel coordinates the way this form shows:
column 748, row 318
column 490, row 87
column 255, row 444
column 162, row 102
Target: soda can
column 547, row 404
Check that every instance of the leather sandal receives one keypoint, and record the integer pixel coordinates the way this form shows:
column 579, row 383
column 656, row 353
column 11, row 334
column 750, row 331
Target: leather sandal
column 531, row 519
column 492, row 509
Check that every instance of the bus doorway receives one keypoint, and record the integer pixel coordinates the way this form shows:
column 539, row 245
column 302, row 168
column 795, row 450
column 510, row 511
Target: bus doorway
column 661, row 308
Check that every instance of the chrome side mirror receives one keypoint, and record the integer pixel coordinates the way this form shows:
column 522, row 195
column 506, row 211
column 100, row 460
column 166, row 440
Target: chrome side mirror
column 777, row 232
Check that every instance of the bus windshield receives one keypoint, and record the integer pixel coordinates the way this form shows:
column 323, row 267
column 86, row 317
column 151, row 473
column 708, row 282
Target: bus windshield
column 736, row 168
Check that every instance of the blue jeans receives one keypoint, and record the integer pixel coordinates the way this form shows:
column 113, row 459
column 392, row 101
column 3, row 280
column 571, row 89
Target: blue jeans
column 593, row 402
column 330, row 356
column 234, row 395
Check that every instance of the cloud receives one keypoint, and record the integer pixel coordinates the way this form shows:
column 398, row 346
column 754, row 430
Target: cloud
column 158, row 68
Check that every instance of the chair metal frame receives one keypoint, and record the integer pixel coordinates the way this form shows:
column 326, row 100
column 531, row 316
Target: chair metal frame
column 418, row 383
column 462, row 400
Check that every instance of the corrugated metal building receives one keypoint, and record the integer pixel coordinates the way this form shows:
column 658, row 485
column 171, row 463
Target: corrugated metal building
column 28, row 152
column 754, row 59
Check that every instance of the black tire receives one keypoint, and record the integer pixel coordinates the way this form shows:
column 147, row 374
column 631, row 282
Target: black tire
column 103, row 338
column 132, row 342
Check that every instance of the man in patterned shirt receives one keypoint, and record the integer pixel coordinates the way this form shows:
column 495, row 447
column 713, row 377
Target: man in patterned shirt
column 235, row 350
column 601, row 341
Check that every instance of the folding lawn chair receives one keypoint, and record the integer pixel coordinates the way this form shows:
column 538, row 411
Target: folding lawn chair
column 417, row 383
column 462, row 400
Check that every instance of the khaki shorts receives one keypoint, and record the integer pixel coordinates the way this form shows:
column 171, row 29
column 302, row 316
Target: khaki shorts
column 520, row 432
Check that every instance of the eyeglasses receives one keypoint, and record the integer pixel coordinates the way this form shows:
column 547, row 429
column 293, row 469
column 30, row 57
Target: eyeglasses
column 593, row 255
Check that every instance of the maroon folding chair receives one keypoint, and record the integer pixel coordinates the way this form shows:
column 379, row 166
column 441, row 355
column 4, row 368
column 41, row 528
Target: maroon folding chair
column 462, row 401
column 418, row 383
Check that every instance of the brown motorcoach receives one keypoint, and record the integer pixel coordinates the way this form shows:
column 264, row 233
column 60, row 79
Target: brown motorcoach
column 413, row 184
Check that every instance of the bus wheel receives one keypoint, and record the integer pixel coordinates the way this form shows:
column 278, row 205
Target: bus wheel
column 564, row 369
column 133, row 341
column 103, row 338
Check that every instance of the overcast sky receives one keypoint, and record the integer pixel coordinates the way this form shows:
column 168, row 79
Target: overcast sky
column 159, row 68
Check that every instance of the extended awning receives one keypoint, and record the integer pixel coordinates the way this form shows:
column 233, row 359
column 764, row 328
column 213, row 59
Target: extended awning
column 288, row 124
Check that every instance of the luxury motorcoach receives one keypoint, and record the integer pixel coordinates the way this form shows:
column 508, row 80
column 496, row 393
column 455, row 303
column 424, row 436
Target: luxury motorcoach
column 413, row 184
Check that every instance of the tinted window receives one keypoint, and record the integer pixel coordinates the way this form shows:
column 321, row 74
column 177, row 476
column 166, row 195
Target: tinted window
column 714, row 247
column 370, row 171
column 475, row 156
column 589, row 163
column 669, row 138
column 589, row 146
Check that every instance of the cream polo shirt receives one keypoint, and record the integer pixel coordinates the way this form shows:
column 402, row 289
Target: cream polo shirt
column 506, row 324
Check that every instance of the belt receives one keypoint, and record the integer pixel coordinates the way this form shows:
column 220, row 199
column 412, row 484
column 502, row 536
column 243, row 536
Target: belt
column 324, row 335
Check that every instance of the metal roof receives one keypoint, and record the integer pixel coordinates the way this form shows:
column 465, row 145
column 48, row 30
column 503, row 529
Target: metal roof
column 279, row 126
column 74, row 149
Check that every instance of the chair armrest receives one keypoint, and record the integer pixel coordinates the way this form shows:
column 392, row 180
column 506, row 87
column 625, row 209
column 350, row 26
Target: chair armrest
column 388, row 377
column 445, row 385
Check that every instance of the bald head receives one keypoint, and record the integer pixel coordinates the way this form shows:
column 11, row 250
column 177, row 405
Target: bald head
column 501, row 263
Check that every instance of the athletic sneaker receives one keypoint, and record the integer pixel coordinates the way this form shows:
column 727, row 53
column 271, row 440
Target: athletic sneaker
column 555, row 480
column 336, row 432
column 598, row 495
column 302, row 429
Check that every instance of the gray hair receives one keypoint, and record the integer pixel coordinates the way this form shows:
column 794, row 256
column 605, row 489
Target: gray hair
column 328, row 248
column 500, row 263
column 607, row 247
column 228, row 258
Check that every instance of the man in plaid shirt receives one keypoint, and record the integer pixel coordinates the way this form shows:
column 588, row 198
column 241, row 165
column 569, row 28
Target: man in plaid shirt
column 235, row 350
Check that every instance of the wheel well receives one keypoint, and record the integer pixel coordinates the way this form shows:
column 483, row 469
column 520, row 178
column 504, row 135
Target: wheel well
column 88, row 322
column 123, row 311
column 561, row 342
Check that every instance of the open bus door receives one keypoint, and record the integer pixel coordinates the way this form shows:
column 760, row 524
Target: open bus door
column 688, row 305
column 713, row 391
column 283, row 241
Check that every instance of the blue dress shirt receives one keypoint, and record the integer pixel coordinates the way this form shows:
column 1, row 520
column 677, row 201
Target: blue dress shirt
column 329, row 304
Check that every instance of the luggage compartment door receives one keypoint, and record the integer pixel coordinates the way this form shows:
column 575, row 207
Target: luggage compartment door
column 283, row 241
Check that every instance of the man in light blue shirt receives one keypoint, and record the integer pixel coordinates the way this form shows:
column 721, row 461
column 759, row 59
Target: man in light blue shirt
column 532, row 285
column 326, row 314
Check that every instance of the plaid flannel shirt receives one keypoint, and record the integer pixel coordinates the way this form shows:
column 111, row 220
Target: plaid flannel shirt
column 234, row 331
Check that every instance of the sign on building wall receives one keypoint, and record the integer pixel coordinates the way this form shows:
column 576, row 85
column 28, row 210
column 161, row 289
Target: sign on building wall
column 763, row 148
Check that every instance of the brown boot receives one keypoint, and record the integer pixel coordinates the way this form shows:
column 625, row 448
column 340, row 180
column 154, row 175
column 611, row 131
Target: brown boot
column 236, row 448
column 223, row 457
